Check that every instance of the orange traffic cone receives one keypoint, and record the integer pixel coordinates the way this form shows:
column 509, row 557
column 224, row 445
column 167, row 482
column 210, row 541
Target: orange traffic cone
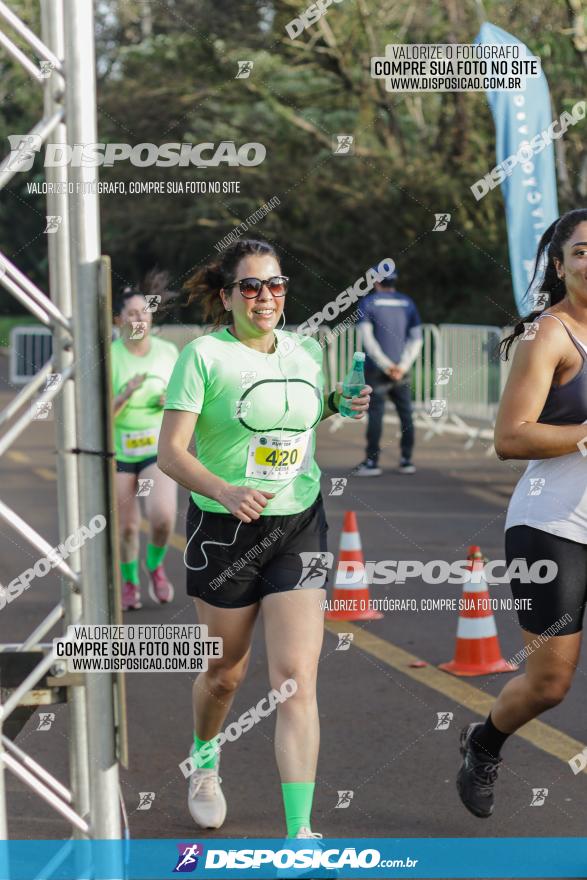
column 350, row 598
column 477, row 651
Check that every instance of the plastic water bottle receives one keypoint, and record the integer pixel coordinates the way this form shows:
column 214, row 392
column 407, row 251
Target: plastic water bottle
column 352, row 384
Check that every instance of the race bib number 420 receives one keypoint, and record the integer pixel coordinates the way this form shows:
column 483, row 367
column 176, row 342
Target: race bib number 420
column 273, row 458
column 140, row 444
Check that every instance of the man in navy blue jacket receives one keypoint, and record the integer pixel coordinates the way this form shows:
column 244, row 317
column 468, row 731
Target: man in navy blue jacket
column 391, row 331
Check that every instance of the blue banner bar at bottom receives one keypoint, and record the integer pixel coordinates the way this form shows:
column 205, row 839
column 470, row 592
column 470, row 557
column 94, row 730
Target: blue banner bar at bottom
column 366, row 858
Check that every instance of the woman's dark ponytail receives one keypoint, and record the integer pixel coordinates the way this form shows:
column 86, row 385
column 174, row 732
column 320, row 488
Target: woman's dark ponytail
column 549, row 247
column 204, row 288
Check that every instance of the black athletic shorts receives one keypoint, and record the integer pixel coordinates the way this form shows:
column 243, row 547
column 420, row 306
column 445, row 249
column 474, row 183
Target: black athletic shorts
column 135, row 467
column 273, row 554
column 560, row 599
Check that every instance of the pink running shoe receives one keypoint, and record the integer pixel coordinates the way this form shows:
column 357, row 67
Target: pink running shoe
column 131, row 596
column 160, row 589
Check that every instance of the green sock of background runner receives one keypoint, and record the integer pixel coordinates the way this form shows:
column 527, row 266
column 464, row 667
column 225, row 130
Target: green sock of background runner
column 211, row 762
column 130, row 571
column 155, row 556
column 297, row 803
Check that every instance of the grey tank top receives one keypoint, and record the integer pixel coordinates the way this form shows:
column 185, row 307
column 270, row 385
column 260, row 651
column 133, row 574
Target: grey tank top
column 567, row 404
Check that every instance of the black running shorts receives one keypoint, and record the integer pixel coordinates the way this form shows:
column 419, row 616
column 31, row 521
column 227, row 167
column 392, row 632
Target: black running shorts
column 561, row 598
column 273, row 554
column 135, row 467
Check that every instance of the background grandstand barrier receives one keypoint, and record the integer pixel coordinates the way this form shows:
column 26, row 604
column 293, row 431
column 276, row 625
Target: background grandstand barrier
column 471, row 383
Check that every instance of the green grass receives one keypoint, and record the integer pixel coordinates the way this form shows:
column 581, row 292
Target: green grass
column 7, row 322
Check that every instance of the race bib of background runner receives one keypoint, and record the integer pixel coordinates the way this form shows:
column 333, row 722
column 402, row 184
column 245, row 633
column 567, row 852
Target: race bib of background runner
column 273, row 458
column 140, row 444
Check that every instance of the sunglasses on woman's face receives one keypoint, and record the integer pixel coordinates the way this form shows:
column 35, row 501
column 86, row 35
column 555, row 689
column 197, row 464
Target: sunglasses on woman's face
column 250, row 288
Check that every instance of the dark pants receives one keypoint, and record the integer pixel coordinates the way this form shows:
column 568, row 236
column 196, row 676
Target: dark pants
column 400, row 393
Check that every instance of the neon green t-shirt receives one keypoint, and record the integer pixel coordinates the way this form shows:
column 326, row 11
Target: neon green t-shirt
column 257, row 414
column 136, row 428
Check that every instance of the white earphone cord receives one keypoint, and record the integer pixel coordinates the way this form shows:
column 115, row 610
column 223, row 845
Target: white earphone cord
column 217, row 543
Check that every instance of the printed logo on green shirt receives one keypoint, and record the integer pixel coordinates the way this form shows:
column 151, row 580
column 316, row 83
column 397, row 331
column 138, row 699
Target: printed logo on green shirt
column 289, row 401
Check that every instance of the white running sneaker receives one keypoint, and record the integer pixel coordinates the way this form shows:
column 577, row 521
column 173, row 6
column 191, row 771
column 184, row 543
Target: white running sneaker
column 308, row 833
column 206, row 802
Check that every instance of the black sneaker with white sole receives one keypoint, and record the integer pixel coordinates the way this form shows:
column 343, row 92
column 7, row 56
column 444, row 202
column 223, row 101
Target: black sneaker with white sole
column 368, row 468
column 406, row 466
column 477, row 775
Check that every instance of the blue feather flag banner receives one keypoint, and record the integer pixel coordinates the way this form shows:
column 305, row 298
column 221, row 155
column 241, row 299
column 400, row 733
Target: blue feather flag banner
column 525, row 165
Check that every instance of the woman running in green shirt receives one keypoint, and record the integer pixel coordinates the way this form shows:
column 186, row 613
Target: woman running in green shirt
column 252, row 395
column 141, row 367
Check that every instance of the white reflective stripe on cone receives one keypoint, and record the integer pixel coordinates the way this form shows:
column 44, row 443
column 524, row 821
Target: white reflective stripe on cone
column 350, row 541
column 476, row 627
column 478, row 586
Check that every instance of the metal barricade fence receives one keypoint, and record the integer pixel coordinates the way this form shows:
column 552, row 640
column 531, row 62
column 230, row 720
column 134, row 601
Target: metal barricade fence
column 471, row 382
column 423, row 375
column 339, row 348
column 472, row 389
column 469, row 357
column 473, row 376
column 30, row 349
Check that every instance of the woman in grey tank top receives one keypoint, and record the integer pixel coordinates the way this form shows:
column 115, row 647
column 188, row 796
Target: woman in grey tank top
column 542, row 417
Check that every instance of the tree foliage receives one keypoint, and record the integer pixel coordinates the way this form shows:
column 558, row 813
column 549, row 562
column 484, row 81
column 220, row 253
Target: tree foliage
column 167, row 73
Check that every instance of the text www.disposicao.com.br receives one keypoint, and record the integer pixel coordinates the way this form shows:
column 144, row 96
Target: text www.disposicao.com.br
column 135, row 664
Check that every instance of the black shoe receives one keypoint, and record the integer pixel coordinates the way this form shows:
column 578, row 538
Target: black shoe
column 477, row 775
column 368, row 468
column 406, row 467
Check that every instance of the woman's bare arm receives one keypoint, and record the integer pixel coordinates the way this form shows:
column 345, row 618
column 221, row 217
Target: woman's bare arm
column 121, row 400
column 174, row 459
column 517, row 432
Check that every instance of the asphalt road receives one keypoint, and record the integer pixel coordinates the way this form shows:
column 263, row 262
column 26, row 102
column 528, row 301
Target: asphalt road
column 378, row 713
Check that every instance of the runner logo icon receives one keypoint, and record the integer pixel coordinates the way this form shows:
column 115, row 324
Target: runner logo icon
column 344, row 641
column 444, row 719
column 23, row 148
column 244, row 69
column 187, row 861
column 46, row 719
column 53, row 223
column 146, row 799
column 153, row 302
column 344, row 799
column 315, row 570
column 338, row 485
column 539, row 796
column 441, row 222
column 536, row 485
column 343, row 146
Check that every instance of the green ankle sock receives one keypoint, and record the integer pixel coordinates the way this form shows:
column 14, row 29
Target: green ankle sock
column 155, row 556
column 130, row 571
column 297, row 803
column 206, row 761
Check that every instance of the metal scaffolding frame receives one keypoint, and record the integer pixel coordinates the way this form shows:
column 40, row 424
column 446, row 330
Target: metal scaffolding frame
column 77, row 313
